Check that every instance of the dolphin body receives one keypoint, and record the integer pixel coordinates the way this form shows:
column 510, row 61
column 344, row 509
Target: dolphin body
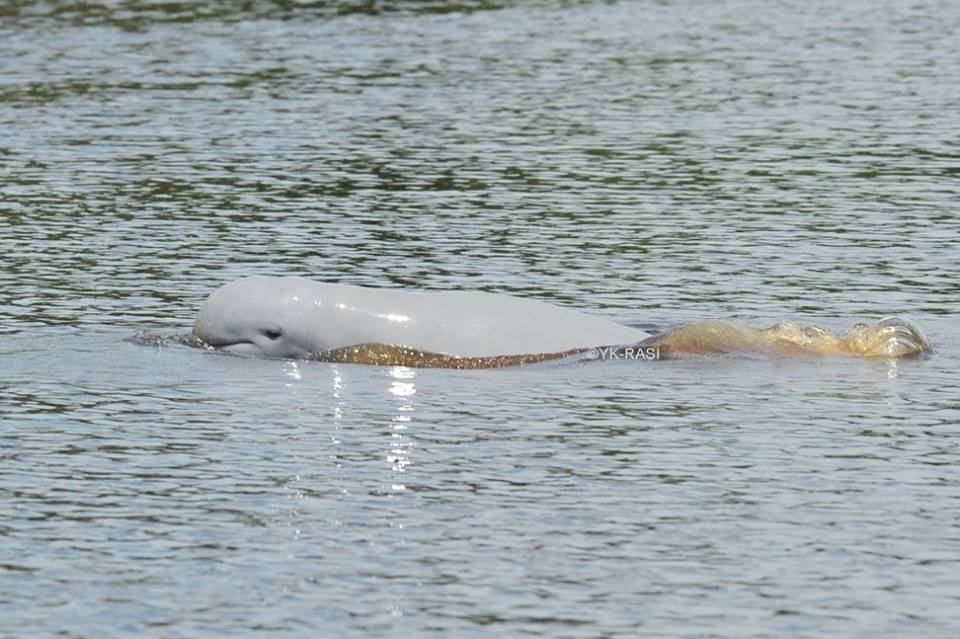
column 291, row 317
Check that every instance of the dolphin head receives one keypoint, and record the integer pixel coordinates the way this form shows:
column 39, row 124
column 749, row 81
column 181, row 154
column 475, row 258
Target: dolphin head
column 261, row 316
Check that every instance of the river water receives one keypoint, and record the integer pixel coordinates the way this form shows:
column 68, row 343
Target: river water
column 651, row 162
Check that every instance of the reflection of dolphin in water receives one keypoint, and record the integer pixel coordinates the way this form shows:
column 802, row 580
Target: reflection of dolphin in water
column 292, row 317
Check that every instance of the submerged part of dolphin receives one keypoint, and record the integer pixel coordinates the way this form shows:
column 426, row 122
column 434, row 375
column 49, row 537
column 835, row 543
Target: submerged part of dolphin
column 293, row 317
column 890, row 337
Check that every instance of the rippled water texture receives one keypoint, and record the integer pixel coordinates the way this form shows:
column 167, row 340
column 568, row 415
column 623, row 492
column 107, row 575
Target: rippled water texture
column 653, row 163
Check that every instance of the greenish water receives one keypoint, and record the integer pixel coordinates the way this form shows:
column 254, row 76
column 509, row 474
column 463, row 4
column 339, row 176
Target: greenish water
column 654, row 163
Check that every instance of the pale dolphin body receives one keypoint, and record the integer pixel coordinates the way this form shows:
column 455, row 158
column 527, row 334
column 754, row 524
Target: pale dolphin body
column 294, row 317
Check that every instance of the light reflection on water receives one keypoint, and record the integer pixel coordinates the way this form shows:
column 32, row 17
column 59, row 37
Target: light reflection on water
column 403, row 390
column 652, row 163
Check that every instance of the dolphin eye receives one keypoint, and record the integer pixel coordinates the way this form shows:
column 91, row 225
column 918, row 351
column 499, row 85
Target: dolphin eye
column 272, row 333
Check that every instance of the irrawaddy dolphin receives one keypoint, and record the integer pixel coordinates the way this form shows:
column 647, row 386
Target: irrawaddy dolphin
column 294, row 317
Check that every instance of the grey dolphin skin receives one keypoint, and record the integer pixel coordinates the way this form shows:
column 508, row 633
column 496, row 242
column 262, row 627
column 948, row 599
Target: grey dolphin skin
column 293, row 317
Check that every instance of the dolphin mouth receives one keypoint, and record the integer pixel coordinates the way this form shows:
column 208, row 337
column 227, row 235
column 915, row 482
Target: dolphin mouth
column 239, row 347
column 248, row 349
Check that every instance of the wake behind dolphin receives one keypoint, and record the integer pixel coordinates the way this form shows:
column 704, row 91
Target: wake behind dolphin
column 293, row 317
